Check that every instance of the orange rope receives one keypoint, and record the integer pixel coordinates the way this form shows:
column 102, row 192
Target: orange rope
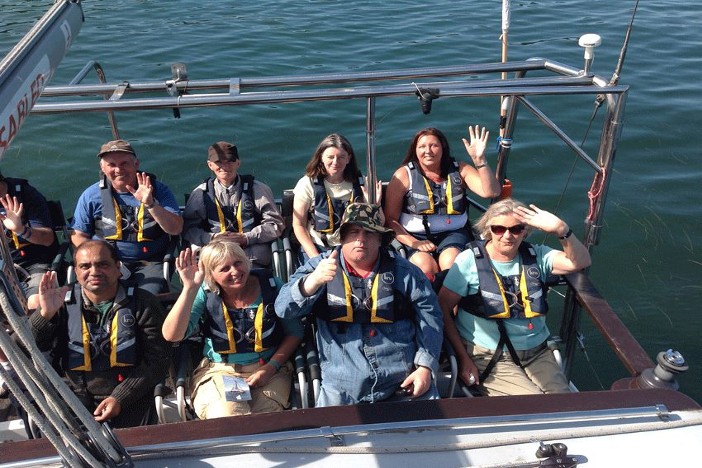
column 594, row 193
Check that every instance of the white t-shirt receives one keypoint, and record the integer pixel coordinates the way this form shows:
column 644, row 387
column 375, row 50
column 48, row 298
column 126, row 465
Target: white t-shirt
column 304, row 191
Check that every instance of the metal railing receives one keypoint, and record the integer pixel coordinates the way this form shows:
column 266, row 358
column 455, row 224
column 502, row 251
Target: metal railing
column 466, row 81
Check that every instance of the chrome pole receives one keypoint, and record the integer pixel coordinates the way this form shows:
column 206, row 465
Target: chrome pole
column 370, row 148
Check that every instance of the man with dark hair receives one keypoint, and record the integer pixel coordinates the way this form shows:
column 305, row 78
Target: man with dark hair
column 132, row 211
column 107, row 336
column 379, row 325
column 233, row 206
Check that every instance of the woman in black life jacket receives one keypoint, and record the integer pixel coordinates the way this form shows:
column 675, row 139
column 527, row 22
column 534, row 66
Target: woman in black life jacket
column 426, row 203
column 244, row 338
column 500, row 333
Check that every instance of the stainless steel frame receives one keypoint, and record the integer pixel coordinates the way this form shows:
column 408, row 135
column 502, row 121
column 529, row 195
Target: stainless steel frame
column 468, row 81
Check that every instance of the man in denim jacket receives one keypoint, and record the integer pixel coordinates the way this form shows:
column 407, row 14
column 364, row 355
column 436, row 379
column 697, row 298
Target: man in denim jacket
column 379, row 325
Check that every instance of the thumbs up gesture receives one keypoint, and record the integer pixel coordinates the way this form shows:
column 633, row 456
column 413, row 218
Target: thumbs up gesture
column 324, row 273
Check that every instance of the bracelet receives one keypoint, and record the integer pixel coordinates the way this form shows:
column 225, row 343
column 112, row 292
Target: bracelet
column 27, row 232
column 480, row 166
column 148, row 207
column 275, row 364
column 567, row 234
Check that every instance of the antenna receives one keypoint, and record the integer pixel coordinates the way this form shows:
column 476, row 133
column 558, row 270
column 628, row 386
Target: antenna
column 589, row 42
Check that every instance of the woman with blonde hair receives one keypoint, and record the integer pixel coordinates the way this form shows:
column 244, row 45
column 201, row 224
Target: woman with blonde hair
column 245, row 343
column 499, row 285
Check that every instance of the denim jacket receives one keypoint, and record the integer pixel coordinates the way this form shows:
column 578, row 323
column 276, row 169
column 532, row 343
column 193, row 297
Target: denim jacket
column 368, row 362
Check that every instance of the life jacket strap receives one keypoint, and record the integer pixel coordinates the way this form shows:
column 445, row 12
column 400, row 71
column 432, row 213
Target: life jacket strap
column 504, row 341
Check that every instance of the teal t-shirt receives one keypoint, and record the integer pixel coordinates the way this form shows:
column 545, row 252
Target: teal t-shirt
column 462, row 279
column 290, row 327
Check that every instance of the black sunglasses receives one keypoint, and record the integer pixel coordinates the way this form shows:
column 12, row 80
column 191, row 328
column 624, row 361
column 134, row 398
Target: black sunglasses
column 500, row 230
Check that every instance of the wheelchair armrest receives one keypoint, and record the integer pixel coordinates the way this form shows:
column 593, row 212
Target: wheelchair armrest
column 299, row 363
column 60, row 257
column 450, row 354
column 162, row 390
column 289, row 257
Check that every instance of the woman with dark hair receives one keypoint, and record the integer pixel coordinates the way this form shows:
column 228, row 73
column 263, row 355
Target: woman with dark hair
column 426, row 202
column 332, row 180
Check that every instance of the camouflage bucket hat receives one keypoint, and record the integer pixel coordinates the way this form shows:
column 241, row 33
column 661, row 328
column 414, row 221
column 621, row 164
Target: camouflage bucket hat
column 368, row 217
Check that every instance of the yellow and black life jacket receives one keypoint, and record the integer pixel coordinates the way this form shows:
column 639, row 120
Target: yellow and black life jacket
column 125, row 222
column 245, row 330
column 327, row 210
column 92, row 347
column 240, row 218
column 499, row 297
column 427, row 197
column 351, row 299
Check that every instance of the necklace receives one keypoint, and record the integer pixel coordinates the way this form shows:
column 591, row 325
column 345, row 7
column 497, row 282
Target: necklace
column 245, row 298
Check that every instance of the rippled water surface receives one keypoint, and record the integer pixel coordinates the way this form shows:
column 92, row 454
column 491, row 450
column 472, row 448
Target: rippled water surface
column 649, row 262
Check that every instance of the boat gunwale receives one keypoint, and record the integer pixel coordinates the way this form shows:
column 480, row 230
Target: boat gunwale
column 383, row 412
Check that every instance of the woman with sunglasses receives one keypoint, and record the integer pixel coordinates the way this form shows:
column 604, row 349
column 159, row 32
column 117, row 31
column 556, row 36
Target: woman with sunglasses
column 426, row 203
column 244, row 340
column 498, row 283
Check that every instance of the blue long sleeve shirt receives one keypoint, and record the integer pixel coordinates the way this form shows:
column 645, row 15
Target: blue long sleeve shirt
column 367, row 362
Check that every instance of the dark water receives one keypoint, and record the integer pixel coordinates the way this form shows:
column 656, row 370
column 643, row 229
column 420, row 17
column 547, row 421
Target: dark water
column 649, row 262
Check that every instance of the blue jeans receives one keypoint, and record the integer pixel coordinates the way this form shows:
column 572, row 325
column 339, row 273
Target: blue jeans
column 365, row 363
column 333, row 397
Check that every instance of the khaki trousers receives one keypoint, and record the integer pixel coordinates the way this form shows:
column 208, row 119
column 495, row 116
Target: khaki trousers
column 208, row 393
column 541, row 372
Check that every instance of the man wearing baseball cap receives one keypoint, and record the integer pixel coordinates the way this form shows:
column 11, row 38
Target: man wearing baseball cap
column 379, row 324
column 132, row 211
column 233, row 206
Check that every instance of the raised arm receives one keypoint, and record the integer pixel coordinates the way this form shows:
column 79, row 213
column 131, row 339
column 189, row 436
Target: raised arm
column 176, row 323
column 50, row 297
column 32, row 232
column 479, row 179
column 574, row 256
column 295, row 298
column 322, row 274
column 171, row 223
